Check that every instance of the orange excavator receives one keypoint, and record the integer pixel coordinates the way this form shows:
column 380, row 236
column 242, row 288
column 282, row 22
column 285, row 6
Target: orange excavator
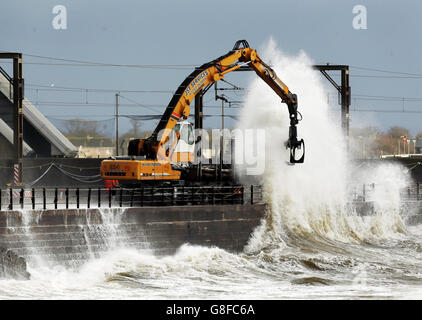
column 156, row 158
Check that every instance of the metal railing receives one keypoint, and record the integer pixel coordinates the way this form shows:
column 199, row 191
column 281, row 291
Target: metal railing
column 79, row 198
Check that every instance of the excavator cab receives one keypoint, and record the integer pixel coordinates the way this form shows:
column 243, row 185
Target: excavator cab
column 184, row 150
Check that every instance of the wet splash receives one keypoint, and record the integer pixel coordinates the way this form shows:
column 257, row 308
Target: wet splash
column 310, row 200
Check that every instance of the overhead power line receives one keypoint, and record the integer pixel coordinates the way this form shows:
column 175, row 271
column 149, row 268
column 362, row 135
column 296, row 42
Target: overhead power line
column 386, row 111
column 380, row 98
column 389, row 97
column 84, row 63
column 385, row 77
column 77, row 62
column 136, row 103
column 368, row 109
column 406, row 75
column 386, row 71
column 164, row 67
column 40, row 87
column 107, row 104
column 76, row 89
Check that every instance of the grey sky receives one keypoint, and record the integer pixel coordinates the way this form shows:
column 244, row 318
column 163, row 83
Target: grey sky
column 186, row 32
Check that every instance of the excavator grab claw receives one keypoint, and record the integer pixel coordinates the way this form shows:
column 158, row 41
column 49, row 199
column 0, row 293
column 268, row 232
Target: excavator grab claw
column 298, row 145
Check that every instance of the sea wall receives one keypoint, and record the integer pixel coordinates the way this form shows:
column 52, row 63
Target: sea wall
column 71, row 237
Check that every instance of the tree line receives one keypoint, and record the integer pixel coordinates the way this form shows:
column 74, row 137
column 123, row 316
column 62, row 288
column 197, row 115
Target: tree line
column 372, row 142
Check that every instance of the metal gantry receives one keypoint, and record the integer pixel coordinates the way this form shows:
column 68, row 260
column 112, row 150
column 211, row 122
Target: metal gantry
column 18, row 95
column 343, row 89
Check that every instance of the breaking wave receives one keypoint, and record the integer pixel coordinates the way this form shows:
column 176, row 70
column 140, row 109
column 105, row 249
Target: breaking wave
column 311, row 200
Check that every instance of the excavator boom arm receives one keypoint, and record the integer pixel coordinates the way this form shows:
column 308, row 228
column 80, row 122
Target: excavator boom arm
column 267, row 74
column 205, row 75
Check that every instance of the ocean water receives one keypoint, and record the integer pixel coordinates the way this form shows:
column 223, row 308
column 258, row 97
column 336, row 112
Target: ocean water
column 311, row 245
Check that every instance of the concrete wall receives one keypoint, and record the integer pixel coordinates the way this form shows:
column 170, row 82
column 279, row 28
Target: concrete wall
column 71, row 237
